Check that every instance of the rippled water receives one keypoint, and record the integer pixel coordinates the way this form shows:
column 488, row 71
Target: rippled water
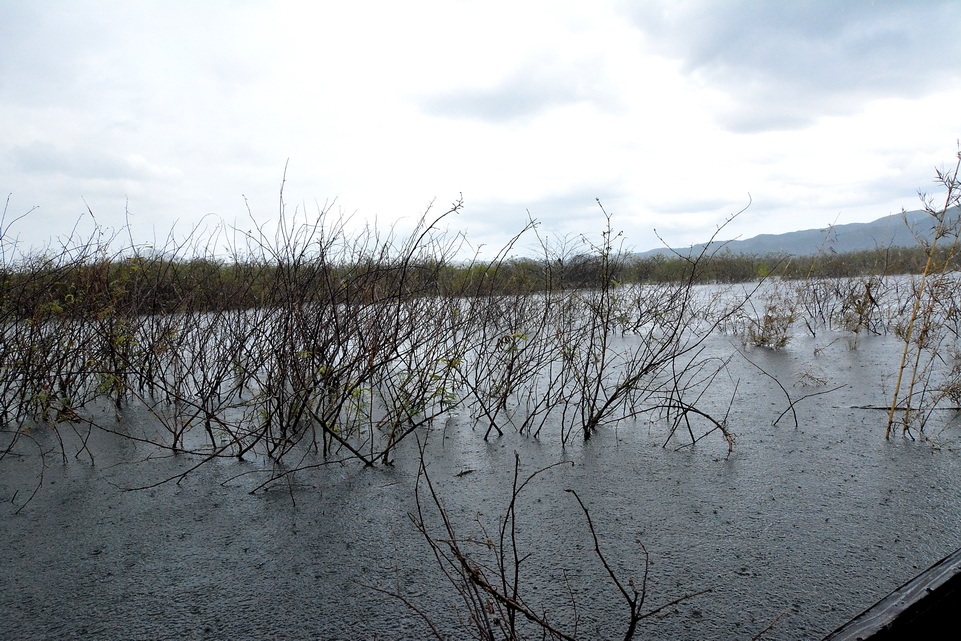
column 800, row 528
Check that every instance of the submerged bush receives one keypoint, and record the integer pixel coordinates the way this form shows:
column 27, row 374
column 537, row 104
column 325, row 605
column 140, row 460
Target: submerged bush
column 319, row 339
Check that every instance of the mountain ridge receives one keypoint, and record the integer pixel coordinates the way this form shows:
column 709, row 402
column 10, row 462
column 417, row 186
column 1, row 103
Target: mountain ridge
column 896, row 230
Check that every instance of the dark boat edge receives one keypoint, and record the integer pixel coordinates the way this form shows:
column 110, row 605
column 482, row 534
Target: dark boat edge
column 918, row 609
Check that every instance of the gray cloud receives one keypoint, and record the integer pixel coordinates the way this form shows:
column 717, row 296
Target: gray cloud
column 787, row 63
column 42, row 157
column 564, row 216
column 527, row 92
column 688, row 204
column 45, row 54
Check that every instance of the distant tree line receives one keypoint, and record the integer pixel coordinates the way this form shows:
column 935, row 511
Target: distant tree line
column 152, row 284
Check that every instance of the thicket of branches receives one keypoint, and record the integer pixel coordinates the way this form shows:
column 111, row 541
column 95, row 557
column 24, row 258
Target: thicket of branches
column 315, row 339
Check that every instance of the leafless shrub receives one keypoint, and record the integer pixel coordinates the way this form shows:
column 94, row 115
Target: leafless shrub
column 770, row 324
column 486, row 570
column 307, row 338
column 950, row 388
column 861, row 307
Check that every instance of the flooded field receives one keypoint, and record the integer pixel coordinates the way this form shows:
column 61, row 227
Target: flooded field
column 794, row 532
column 326, row 435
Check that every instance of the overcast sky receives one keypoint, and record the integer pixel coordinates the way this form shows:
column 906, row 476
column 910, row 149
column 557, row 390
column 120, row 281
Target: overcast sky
column 670, row 112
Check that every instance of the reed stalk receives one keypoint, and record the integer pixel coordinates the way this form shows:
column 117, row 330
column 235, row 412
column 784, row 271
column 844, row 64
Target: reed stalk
column 949, row 180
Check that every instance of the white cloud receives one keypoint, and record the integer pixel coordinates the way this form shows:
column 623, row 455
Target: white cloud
column 671, row 113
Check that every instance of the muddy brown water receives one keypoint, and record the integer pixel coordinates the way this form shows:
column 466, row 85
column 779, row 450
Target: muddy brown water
column 799, row 529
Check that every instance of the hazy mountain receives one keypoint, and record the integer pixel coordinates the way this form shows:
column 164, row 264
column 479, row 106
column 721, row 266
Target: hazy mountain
column 897, row 230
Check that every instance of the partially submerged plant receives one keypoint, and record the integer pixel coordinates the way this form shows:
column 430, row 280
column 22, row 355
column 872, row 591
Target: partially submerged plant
column 486, row 570
column 766, row 326
column 313, row 339
column 921, row 329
